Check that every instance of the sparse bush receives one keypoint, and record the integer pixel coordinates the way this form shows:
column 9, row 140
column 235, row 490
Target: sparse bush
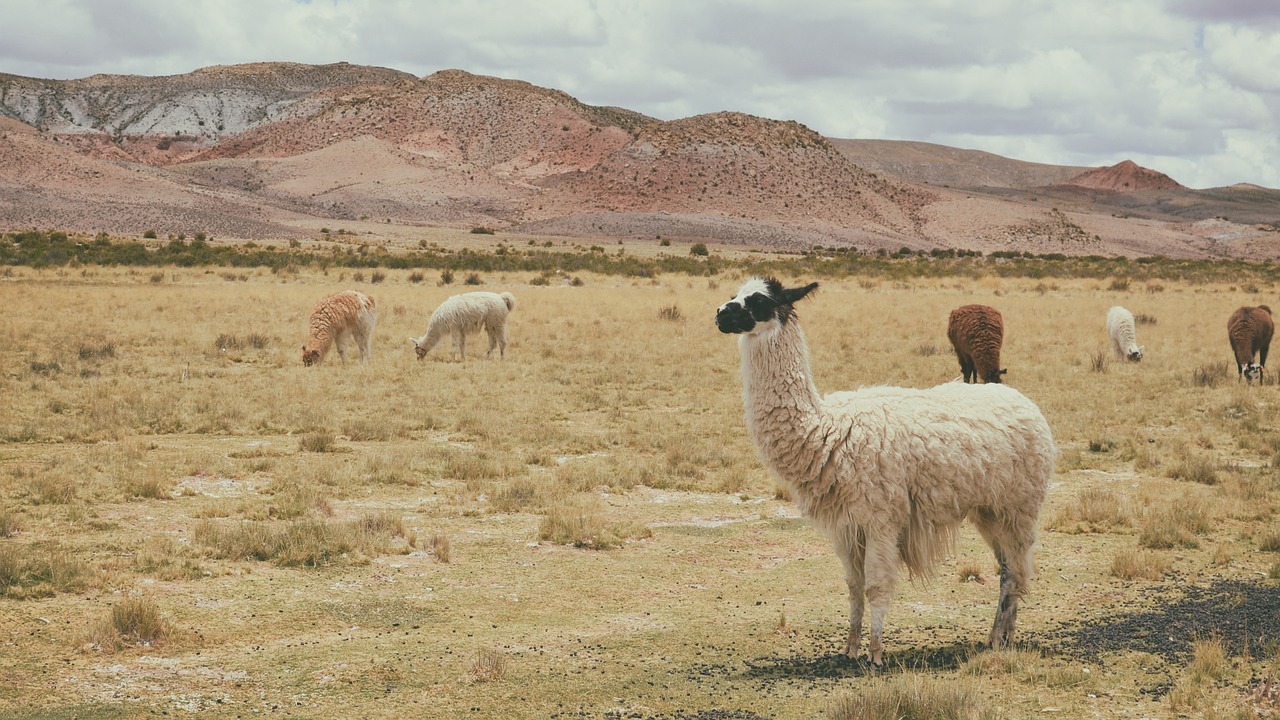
column 377, row 276
column 1210, row 375
column 671, row 312
column 441, row 548
column 317, row 442
column 40, row 571
column 1133, row 564
column 446, row 277
column 134, row 621
column 487, row 665
column 699, row 249
column 417, row 276
column 473, row 279
column 1098, row 362
column 9, row 523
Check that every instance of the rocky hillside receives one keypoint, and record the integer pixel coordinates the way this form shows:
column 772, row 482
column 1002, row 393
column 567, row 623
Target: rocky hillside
column 275, row 151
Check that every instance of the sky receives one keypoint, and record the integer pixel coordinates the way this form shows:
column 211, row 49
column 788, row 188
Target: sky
column 1190, row 88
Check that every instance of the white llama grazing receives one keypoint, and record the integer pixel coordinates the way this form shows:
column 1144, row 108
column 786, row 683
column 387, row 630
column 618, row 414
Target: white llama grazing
column 468, row 313
column 1120, row 327
column 335, row 320
column 888, row 473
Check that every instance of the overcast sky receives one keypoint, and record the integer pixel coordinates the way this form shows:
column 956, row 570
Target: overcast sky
column 1188, row 87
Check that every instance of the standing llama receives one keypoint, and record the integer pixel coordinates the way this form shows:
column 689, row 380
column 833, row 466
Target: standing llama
column 335, row 320
column 1249, row 330
column 888, row 473
column 468, row 313
column 976, row 332
column 1124, row 342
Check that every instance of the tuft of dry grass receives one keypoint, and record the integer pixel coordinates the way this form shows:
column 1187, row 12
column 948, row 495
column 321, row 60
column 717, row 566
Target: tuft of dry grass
column 10, row 523
column 1028, row 667
column 1095, row 510
column 1210, row 375
column 487, row 665
column 1138, row 564
column 671, row 313
column 306, row 543
column 36, row 572
column 133, row 622
column 318, row 442
column 912, row 696
column 1176, row 525
column 441, row 548
column 577, row 521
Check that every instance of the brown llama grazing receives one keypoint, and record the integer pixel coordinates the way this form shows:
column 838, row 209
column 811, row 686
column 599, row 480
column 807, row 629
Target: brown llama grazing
column 336, row 319
column 976, row 332
column 1249, row 331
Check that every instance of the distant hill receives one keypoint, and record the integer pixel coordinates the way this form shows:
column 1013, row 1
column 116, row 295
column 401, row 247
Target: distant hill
column 276, row 150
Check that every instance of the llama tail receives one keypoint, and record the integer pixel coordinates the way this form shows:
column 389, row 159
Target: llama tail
column 510, row 300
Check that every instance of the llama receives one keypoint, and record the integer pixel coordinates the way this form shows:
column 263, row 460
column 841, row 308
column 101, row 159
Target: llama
column 1120, row 327
column 468, row 313
column 1249, row 331
column 336, row 319
column 976, row 332
column 888, row 473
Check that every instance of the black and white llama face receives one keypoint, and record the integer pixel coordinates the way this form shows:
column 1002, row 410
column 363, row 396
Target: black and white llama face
column 760, row 303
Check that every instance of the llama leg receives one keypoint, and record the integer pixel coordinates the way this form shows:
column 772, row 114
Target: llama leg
column 462, row 346
column 851, row 549
column 341, row 343
column 362, row 344
column 502, row 341
column 1011, row 541
column 493, row 342
column 881, row 568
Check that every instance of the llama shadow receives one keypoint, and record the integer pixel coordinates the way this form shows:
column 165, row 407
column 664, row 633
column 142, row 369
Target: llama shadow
column 838, row 666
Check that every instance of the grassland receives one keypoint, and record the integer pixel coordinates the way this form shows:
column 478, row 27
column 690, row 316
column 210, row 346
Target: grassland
column 192, row 522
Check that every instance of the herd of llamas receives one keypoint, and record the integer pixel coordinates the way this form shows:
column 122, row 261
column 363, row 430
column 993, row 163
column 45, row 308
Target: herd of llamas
column 888, row 473
column 351, row 314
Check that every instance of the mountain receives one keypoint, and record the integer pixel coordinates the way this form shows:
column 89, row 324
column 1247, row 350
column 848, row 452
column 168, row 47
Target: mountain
column 1126, row 176
column 275, row 151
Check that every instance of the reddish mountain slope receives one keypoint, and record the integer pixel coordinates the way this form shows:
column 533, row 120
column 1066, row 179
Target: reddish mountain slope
column 272, row 151
column 1126, row 176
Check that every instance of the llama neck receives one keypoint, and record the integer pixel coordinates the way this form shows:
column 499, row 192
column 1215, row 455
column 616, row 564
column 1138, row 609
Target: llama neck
column 783, row 409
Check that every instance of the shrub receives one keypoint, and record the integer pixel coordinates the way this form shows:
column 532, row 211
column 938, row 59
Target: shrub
column 149, row 235
column 671, row 313
column 699, row 249
column 483, row 231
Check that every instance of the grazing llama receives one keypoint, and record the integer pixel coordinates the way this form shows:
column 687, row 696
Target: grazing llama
column 468, row 313
column 1124, row 339
column 976, row 332
column 336, row 319
column 888, row 472
column 1249, row 330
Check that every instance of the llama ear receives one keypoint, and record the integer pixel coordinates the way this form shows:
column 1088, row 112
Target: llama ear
column 793, row 295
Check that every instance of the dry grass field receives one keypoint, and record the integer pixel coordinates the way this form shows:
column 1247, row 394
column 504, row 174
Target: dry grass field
column 193, row 523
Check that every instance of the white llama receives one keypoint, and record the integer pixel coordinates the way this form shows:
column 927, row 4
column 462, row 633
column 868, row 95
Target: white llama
column 468, row 313
column 889, row 473
column 1124, row 338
